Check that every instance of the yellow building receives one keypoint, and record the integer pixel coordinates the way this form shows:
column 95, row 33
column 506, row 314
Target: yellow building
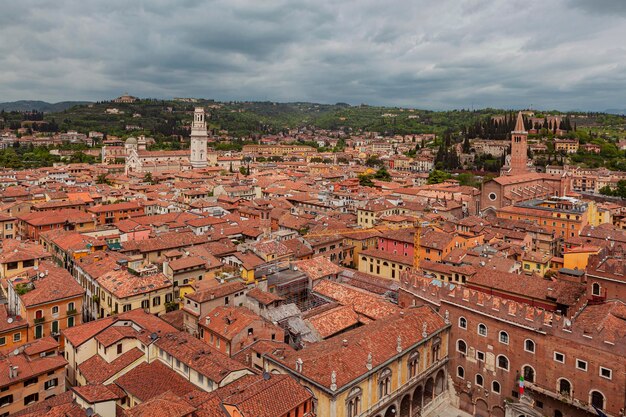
column 577, row 258
column 17, row 256
column 402, row 373
column 536, row 262
column 124, row 289
column 361, row 240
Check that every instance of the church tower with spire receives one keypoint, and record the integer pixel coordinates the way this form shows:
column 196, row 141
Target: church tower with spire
column 519, row 148
column 198, row 148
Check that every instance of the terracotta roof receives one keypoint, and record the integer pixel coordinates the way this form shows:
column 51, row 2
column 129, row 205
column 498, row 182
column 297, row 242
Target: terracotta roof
column 198, row 355
column 363, row 302
column 221, row 290
column 146, row 381
column 318, row 268
column 123, row 284
column 56, row 284
column 95, row 393
column 166, row 404
column 349, row 359
column 333, row 321
column 256, row 396
column 96, row 370
column 263, row 297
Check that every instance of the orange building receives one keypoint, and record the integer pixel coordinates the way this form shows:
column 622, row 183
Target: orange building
column 13, row 330
column 48, row 298
column 113, row 213
column 563, row 216
column 32, row 224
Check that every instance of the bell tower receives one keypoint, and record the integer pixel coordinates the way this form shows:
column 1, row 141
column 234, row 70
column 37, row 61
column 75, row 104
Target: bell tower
column 198, row 148
column 519, row 147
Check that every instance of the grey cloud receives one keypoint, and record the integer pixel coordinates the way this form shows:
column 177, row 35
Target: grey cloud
column 444, row 54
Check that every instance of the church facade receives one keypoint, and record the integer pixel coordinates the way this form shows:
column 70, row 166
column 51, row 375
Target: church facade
column 141, row 160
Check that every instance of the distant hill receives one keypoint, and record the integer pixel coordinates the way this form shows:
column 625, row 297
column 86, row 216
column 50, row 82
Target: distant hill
column 616, row 111
column 41, row 106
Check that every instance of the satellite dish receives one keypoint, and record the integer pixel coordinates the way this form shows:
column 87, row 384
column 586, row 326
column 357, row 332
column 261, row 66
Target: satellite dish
column 10, row 320
column 41, row 275
column 266, row 376
column 153, row 336
column 89, row 412
column 16, row 352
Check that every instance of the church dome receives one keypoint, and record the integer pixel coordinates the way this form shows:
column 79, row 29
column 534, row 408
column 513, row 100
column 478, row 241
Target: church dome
column 131, row 141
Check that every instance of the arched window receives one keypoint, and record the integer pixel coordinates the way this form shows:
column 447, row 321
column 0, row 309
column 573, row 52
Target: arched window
column 460, row 372
column 597, row 399
column 479, row 380
column 503, row 362
column 565, row 387
column 482, row 330
column 529, row 373
column 435, row 349
column 504, row 337
column 384, row 383
column 558, row 413
column 462, row 322
column 529, row 346
column 354, row 401
column 595, row 289
column 461, row 346
column 495, row 387
column 414, row 362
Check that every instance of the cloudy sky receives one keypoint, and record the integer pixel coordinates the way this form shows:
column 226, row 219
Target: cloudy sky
column 565, row 54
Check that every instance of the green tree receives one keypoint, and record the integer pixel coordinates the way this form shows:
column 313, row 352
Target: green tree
column 102, row 179
column 148, row 178
column 606, row 190
column 373, row 161
column 365, row 180
column 436, row 176
column 382, row 174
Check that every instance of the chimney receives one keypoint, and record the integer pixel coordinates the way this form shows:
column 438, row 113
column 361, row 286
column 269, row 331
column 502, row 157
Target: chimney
column 299, row 365
column 344, row 343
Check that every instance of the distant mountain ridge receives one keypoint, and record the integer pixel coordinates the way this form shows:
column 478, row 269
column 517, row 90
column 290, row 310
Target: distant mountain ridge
column 616, row 111
column 41, row 106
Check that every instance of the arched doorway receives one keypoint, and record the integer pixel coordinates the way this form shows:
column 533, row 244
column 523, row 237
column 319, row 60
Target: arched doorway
column 497, row 411
column 391, row 411
column 405, row 406
column 465, row 403
column 418, row 394
column 428, row 391
column 482, row 409
column 439, row 383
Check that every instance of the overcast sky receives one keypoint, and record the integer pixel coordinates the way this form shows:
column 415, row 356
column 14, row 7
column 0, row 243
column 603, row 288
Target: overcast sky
column 436, row 54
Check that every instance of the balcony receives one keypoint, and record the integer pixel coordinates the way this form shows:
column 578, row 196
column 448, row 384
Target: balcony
column 71, row 312
column 40, row 320
column 565, row 398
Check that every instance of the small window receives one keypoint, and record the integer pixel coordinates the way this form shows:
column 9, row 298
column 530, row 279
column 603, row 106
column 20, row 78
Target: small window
column 504, row 337
column 581, row 364
column 32, row 398
column 462, row 322
column 51, row 383
column 480, row 355
column 30, row 381
column 606, row 373
column 119, row 348
column 529, row 346
column 3, row 341
column 461, row 346
column 495, row 387
column 503, row 362
column 460, row 372
column 482, row 330
column 479, row 380
column 55, row 310
column 559, row 357
column 17, row 337
column 595, row 289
